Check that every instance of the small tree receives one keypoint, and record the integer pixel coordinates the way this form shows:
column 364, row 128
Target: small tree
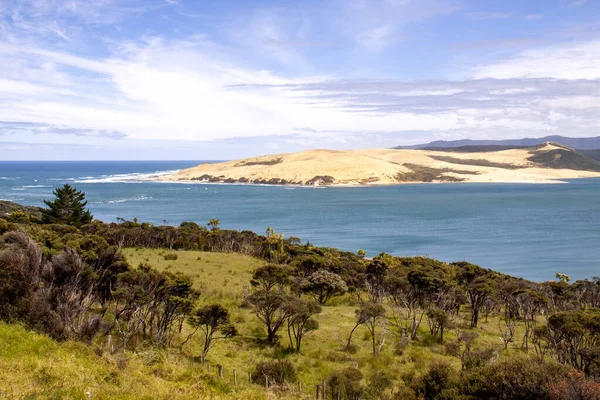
column 269, row 277
column 269, row 307
column 323, row 285
column 213, row 224
column 368, row 314
column 212, row 319
column 300, row 321
column 68, row 207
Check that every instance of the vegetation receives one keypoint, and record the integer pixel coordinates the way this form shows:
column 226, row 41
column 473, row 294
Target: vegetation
column 476, row 162
column 132, row 310
column 420, row 173
column 67, row 208
column 272, row 161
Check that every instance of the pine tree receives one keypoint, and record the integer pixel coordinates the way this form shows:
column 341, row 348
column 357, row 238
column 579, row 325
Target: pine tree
column 68, row 207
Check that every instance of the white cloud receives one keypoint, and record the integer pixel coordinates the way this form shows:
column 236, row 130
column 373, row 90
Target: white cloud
column 194, row 89
column 568, row 61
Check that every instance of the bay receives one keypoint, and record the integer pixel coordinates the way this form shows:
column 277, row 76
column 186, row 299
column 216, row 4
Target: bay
column 527, row 230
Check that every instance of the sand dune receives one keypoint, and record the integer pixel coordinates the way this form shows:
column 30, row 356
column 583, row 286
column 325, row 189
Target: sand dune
column 551, row 163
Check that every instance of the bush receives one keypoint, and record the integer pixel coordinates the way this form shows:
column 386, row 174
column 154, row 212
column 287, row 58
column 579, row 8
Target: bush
column 18, row 217
column 379, row 382
column 438, row 383
column 276, row 372
column 512, row 378
column 170, row 256
column 345, row 384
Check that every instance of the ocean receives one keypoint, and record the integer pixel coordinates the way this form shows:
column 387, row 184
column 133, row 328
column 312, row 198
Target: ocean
column 527, row 230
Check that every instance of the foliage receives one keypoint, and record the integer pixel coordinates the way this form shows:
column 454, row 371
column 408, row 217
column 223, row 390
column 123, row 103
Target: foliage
column 277, row 372
column 300, row 321
column 323, row 285
column 68, row 207
column 438, row 383
column 345, row 384
column 211, row 320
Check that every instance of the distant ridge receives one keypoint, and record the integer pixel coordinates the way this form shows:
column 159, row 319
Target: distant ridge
column 589, row 143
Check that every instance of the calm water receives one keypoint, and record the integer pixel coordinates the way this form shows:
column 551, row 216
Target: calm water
column 531, row 231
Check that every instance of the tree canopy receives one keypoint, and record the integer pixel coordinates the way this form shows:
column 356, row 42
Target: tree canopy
column 68, row 207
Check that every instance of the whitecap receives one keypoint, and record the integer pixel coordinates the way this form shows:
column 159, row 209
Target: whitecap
column 138, row 198
column 134, row 177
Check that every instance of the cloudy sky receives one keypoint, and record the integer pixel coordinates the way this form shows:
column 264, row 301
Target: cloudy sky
column 192, row 79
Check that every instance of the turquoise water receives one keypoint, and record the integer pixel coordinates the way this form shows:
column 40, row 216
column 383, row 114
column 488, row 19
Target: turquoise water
column 532, row 231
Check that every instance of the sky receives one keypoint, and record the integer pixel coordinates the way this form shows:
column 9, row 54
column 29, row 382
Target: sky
column 185, row 79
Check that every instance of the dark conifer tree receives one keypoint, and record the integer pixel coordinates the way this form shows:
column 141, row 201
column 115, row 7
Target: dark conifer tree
column 68, row 207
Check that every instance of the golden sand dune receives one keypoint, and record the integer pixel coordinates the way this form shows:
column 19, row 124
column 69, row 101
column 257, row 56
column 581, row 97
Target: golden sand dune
column 549, row 162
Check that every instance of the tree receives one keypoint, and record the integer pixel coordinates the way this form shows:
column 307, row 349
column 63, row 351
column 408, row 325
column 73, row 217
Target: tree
column 479, row 285
column 323, row 285
column 269, row 277
column 213, row 224
column 300, row 320
column 269, row 307
column 212, row 319
column 68, row 207
column 368, row 314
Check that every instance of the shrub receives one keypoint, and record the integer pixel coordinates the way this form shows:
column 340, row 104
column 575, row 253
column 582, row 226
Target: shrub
column 345, row 384
column 170, row 257
column 512, row 378
column 276, row 372
column 18, row 217
column 378, row 383
column 438, row 383
column 3, row 225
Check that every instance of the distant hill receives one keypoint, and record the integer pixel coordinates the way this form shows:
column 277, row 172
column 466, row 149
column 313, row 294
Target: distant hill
column 590, row 143
column 593, row 154
column 545, row 162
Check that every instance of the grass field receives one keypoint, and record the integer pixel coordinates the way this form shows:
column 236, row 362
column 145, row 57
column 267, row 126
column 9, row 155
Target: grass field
column 34, row 366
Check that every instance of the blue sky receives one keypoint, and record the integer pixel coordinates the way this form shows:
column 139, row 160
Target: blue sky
column 182, row 79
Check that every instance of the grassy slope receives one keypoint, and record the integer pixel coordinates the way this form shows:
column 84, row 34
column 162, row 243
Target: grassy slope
column 7, row 207
column 34, row 366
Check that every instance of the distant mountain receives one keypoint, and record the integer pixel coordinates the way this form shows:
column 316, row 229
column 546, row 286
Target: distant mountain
column 590, row 143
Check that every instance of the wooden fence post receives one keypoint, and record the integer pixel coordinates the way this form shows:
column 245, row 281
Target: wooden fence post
column 234, row 377
column 249, row 378
column 324, row 389
column 318, row 390
column 220, row 370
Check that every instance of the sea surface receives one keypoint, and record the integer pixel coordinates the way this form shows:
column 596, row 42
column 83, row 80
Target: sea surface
column 527, row 230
